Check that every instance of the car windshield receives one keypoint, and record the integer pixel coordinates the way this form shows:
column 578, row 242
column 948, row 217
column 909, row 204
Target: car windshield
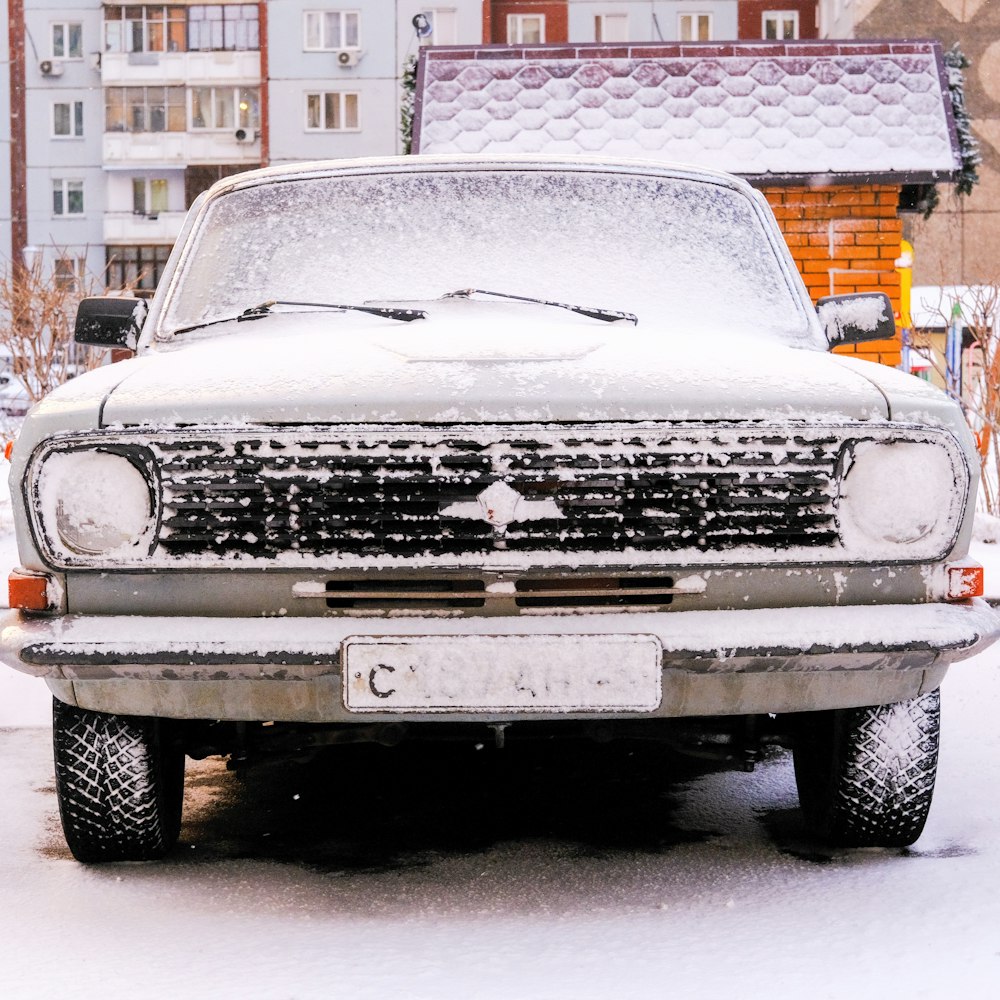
column 688, row 256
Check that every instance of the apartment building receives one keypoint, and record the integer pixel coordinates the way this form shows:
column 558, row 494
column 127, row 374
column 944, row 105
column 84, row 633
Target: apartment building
column 132, row 110
column 527, row 22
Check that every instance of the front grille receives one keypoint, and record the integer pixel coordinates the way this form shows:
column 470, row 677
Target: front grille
column 378, row 593
column 415, row 494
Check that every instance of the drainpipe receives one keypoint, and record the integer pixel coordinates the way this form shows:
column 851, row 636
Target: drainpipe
column 18, row 148
column 265, row 90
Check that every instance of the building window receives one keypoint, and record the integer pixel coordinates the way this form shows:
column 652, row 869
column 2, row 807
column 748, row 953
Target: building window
column 782, row 24
column 333, row 111
column 694, row 27
column 145, row 29
column 67, row 119
column 611, row 28
column 67, row 197
column 70, row 272
column 224, row 27
column 67, row 40
column 144, row 109
column 328, row 30
column 137, row 267
column 149, row 195
column 225, row 107
column 444, row 26
column 525, row 29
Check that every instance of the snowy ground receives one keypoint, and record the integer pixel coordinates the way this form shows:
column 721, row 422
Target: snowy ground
column 584, row 872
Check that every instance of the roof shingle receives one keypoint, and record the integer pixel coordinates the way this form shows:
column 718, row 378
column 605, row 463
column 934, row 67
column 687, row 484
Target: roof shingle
column 792, row 111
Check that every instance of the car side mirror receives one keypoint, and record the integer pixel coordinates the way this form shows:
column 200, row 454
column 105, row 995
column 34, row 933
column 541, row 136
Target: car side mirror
column 854, row 319
column 109, row 321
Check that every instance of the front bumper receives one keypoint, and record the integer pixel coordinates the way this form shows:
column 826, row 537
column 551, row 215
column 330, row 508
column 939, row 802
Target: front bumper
column 282, row 669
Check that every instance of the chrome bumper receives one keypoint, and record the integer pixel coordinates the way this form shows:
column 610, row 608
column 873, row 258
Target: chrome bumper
column 714, row 662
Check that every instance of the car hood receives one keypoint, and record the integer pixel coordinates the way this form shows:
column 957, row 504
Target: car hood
column 479, row 362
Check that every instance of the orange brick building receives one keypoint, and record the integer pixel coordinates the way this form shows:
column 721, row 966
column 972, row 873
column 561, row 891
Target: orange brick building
column 845, row 239
column 830, row 132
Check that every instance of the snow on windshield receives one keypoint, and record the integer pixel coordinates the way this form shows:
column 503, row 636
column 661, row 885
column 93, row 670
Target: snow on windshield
column 690, row 255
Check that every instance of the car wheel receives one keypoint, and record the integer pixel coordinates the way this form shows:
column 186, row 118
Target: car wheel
column 866, row 775
column 119, row 782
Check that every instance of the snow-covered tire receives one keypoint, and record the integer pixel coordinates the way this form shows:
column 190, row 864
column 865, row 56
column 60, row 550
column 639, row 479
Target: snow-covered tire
column 119, row 782
column 866, row 775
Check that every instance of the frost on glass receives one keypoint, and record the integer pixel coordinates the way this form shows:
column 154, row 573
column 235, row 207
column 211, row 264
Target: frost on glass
column 93, row 502
column 692, row 257
column 898, row 493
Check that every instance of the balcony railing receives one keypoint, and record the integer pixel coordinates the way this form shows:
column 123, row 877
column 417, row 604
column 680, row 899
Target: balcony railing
column 136, row 68
column 134, row 227
column 181, row 148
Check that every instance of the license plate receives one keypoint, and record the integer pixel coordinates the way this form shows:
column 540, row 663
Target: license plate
column 538, row 673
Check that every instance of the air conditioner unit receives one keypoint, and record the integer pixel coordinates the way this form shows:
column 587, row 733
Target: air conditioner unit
column 348, row 58
column 50, row 67
column 246, row 135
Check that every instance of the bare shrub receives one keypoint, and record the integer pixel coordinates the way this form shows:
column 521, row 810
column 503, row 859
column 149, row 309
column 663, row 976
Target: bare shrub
column 979, row 312
column 37, row 313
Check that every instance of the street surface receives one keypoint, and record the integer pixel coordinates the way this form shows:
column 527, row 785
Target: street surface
column 538, row 871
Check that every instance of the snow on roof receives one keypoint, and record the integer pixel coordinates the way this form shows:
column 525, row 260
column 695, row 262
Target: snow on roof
column 777, row 111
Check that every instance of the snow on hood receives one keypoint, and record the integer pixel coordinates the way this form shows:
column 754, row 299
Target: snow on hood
column 483, row 362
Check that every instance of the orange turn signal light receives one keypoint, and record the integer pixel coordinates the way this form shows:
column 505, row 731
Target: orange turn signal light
column 28, row 591
column 965, row 580
column 8, row 450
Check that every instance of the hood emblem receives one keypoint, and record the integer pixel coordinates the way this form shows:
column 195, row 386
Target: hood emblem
column 501, row 505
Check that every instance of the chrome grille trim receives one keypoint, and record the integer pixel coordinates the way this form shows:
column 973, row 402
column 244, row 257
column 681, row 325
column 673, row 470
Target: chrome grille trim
column 630, row 494
column 597, row 499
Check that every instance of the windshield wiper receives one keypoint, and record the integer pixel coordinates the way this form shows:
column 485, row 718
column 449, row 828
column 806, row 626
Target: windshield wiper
column 607, row 315
column 386, row 312
column 264, row 309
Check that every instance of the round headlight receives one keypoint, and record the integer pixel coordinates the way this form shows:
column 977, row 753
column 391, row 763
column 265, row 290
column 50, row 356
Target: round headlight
column 96, row 501
column 897, row 493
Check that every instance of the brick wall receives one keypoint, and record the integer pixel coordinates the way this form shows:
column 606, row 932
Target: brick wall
column 556, row 18
column 751, row 16
column 845, row 239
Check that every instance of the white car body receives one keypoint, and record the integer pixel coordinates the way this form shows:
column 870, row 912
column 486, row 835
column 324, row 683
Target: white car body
column 828, row 501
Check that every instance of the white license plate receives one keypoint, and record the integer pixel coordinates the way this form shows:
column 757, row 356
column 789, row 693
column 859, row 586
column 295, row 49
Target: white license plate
column 522, row 673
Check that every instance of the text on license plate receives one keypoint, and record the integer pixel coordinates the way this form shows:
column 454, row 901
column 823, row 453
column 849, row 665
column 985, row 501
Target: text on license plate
column 537, row 673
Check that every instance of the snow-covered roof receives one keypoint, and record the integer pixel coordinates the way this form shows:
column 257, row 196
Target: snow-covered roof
column 769, row 111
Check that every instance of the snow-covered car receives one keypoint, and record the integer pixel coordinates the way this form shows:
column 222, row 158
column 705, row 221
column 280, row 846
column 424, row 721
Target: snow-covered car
column 490, row 448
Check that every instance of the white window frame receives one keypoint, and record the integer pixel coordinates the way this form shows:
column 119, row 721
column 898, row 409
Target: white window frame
column 778, row 16
column 343, row 35
column 435, row 37
column 693, row 18
column 615, row 25
column 67, row 53
column 341, row 96
column 515, row 28
column 73, row 277
column 63, row 185
column 75, row 111
column 147, row 208
column 249, row 119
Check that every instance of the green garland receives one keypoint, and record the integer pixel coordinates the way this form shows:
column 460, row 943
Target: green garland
column 409, row 85
column 956, row 61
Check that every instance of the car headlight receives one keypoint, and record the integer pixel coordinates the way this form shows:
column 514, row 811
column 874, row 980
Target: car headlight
column 898, row 495
column 94, row 502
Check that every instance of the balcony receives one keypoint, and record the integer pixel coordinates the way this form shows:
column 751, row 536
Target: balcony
column 162, row 149
column 129, row 227
column 164, row 68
